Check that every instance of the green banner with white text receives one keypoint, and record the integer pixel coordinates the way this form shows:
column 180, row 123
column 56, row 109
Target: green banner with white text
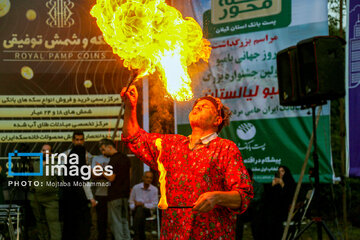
column 245, row 37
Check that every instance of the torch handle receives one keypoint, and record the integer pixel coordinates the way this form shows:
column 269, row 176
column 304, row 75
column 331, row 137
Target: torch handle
column 131, row 79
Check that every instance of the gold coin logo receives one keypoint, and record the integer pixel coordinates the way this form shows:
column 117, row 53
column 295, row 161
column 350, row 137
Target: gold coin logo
column 88, row 83
column 4, row 7
column 27, row 72
column 30, row 15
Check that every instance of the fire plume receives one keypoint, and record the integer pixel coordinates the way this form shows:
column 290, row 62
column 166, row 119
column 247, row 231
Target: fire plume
column 163, row 202
column 150, row 35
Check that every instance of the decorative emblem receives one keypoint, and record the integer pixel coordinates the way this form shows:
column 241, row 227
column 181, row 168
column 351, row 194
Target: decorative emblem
column 60, row 13
column 246, row 131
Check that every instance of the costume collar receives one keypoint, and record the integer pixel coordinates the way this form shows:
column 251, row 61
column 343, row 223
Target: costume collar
column 143, row 187
column 206, row 139
column 209, row 138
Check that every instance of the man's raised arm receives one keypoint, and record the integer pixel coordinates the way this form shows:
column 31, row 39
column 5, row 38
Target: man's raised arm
column 131, row 125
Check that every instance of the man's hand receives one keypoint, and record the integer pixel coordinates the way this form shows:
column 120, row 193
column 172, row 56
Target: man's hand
column 93, row 202
column 139, row 204
column 206, row 202
column 130, row 97
column 110, row 178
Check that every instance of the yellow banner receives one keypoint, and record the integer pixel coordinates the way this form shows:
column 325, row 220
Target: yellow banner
column 64, row 124
column 73, row 112
column 11, row 137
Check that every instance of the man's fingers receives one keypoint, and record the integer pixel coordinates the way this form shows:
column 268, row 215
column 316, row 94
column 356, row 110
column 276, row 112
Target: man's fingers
column 131, row 89
column 131, row 92
column 197, row 206
column 199, row 203
column 122, row 92
column 199, row 199
column 205, row 203
column 203, row 206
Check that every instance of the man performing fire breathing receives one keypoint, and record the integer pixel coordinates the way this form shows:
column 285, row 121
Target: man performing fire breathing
column 204, row 171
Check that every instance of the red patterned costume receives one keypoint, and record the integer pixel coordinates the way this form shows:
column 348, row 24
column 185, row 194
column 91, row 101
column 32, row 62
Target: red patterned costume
column 214, row 166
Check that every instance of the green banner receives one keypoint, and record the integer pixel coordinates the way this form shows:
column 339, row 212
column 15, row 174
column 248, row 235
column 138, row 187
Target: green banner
column 267, row 144
column 242, row 72
column 233, row 19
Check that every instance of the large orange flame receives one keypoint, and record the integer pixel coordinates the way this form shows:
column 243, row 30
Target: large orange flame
column 150, row 35
column 163, row 202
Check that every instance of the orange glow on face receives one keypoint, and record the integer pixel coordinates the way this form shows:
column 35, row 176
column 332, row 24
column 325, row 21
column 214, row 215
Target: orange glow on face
column 162, row 202
column 150, row 35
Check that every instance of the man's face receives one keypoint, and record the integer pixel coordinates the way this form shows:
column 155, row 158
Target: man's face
column 148, row 177
column 78, row 140
column 46, row 148
column 203, row 115
column 105, row 150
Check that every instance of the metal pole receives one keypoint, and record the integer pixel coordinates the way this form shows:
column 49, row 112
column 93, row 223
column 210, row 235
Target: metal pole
column 298, row 186
column 317, row 178
column 342, row 139
column 341, row 19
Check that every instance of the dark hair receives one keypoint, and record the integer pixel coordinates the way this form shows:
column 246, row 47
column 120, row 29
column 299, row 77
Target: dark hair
column 250, row 172
column 48, row 145
column 149, row 172
column 106, row 142
column 222, row 110
column 77, row 133
column 287, row 178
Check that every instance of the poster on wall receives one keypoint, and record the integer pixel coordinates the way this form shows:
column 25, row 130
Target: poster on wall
column 353, row 89
column 57, row 75
column 245, row 37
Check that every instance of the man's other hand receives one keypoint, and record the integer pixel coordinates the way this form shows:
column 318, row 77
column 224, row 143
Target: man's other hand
column 130, row 97
column 206, row 202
